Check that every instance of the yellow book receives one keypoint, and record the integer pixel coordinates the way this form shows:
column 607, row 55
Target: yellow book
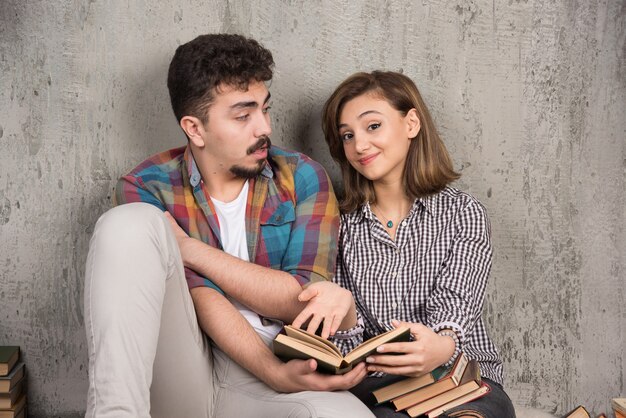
column 16, row 410
column 481, row 391
column 470, row 382
column 9, row 381
column 447, row 382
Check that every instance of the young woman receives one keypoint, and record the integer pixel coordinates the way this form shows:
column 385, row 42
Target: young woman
column 412, row 249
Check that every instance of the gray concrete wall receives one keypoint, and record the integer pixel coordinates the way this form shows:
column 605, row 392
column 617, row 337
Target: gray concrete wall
column 528, row 94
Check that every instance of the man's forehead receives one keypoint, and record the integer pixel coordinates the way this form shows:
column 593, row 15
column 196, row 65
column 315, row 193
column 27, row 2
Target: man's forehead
column 253, row 90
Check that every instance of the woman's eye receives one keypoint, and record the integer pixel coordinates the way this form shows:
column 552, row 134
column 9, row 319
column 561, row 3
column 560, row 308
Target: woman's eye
column 347, row 136
column 373, row 126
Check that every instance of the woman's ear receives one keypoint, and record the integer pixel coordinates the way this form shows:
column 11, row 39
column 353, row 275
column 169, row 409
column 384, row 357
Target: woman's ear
column 413, row 123
column 194, row 129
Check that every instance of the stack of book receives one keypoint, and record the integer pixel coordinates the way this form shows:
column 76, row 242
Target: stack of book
column 12, row 383
column 619, row 407
column 434, row 393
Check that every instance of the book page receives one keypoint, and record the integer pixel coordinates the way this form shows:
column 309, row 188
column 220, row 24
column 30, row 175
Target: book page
column 291, row 348
column 370, row 345
column 313, row 339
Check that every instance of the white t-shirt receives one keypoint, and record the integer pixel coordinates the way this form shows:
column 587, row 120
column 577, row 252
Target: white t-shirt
column 232, row 219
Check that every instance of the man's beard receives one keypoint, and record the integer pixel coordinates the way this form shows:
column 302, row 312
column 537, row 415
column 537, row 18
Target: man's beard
column 252, row 172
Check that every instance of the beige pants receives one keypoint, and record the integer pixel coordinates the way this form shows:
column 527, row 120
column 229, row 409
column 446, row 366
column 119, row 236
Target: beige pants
column 147, row 353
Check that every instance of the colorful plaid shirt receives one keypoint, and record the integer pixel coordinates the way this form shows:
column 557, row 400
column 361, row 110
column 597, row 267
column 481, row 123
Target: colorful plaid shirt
column 292, row 217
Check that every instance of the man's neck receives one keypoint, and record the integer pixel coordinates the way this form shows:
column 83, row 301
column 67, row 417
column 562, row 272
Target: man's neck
column 218, row 181
column 224, row 190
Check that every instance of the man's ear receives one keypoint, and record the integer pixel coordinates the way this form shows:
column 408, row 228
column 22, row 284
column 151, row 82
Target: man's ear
column 413, row 123
column 194, row 129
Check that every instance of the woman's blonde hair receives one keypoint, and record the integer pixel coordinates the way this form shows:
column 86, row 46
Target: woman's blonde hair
column 428, row 168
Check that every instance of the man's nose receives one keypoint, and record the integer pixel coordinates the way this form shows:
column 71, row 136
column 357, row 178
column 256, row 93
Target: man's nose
column 263, row 126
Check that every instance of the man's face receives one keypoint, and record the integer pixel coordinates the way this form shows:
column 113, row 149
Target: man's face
column 236, row 135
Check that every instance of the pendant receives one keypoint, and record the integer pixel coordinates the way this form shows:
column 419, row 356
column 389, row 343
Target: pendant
column 389, row 224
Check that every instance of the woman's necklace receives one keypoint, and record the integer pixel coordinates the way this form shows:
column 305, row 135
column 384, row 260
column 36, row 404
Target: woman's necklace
column 389, row 222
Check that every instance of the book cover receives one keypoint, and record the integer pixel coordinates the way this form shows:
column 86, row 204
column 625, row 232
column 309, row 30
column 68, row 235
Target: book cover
column 478, row 393
column 578, row 412
column 407, row 385
column 470, row 382
column 299, row 344
column 7, row 382
column 447, row 382
column 8, row 357
column 7, row 400
column 16, row 410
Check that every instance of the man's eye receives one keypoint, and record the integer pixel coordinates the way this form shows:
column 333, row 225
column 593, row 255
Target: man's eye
column 347, row 136
column 373, row 126
column 266, row 109
column 243, row 117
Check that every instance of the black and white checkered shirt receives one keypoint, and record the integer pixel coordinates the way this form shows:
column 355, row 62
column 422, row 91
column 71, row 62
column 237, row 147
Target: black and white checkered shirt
column 434, row 273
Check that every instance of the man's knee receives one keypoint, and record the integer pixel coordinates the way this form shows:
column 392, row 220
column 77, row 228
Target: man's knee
column 129, row 224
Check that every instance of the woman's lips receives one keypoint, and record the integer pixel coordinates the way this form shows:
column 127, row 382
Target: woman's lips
column 368, row 159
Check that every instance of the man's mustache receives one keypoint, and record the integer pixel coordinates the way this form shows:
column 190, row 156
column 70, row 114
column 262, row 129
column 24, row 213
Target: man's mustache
column 263, row 142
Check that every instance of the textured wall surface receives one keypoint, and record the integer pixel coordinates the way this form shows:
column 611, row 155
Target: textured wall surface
column 529, row 95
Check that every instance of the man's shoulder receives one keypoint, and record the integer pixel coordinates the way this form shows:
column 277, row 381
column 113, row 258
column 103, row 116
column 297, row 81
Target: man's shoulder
column 299, row 176
column 161, row 167
column 285, row 161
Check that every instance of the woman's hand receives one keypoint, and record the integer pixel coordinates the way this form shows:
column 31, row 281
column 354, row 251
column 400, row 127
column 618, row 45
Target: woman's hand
column 428, row 351
column 328, row 303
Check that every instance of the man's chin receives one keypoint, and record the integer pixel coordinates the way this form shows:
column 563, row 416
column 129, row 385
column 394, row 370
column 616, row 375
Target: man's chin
column 248, row 172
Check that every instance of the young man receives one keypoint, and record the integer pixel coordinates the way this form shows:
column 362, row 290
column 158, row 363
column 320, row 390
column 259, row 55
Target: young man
column 248, row 225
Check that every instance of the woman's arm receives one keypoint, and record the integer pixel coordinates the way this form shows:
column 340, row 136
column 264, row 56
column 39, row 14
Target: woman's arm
column 455, row 304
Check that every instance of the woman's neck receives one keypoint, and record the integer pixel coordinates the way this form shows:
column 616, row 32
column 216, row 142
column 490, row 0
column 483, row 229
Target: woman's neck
column 391, row 199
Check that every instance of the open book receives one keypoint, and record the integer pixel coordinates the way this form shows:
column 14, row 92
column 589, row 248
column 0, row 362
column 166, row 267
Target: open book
column 299, row 344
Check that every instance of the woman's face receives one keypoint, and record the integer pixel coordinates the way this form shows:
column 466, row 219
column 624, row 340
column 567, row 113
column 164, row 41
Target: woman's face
column 376, row 137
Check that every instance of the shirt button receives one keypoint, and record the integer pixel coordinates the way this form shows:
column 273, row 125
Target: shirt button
column 403, row 223
column 394, row 274
column 394, row 305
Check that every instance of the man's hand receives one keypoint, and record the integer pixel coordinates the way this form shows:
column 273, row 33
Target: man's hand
column 428, row 351
column 300, row 375
column 327, row 302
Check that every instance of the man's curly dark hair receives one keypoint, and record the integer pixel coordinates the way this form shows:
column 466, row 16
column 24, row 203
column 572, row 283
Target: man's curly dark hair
column 200, row 66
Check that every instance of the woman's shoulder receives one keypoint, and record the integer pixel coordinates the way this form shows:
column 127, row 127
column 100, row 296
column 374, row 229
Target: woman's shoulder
column 453, row 197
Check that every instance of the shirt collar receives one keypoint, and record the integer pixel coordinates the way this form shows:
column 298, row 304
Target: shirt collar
column 194, row 173
column 428, row 203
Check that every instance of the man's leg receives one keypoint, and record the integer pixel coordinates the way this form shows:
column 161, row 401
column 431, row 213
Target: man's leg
column 147, row 354
column 242, row 395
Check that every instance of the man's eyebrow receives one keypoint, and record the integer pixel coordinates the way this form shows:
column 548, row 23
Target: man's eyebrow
column 250, row 104
column 367, row 112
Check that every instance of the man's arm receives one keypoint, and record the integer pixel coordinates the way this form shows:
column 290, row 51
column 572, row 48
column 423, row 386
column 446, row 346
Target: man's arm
column 227, row 328
column 310, row 254
column 268, row 292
